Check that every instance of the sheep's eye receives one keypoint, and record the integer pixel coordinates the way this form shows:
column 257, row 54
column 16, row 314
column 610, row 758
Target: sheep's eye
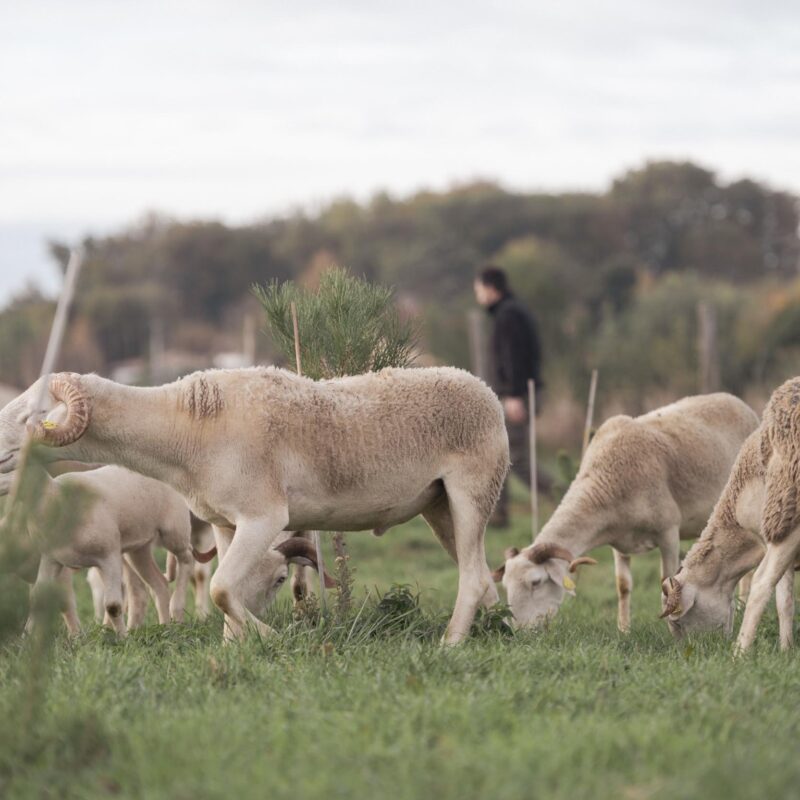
column 280, row 580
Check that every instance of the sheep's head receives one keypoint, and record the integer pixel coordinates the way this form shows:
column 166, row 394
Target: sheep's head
column 536, row 580
column 689, row 606
column 59, row 419
column 274, row 570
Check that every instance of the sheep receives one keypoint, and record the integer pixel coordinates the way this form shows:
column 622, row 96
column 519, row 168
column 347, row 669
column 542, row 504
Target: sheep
column 780, row 518
column 259, row 451
column 700, row 596
column 129, row 514
column 645, row 482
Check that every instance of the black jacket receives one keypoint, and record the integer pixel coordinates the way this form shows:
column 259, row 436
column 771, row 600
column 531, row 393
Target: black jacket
column 514, row 351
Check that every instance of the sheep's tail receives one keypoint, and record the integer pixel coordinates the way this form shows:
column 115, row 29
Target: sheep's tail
column 172, row 567
column 204, row 558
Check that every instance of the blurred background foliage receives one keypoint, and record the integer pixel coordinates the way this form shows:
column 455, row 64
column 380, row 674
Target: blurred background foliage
column 613, row 278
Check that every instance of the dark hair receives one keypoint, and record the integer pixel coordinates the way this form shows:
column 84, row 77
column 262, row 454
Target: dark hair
column 494, row 277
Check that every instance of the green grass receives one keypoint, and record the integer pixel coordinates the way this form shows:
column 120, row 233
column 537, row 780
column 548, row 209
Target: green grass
column 375, row 708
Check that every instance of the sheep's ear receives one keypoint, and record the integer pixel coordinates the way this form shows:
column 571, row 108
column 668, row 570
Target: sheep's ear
column 497, row 575
column 302, row 561
column 556, row 570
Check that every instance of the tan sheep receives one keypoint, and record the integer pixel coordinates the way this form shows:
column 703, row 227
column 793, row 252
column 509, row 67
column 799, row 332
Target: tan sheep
column 780, row 523
column 261, row 451
column 700, row 596
column 644, row 483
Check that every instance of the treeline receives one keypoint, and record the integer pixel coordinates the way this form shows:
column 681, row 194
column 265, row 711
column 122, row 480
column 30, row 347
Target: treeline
column 614, row 278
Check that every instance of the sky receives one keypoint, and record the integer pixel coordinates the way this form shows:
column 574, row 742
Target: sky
column 238, row 110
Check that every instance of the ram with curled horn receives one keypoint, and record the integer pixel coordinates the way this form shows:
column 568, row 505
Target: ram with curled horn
column 631, row 493
column 264, row 452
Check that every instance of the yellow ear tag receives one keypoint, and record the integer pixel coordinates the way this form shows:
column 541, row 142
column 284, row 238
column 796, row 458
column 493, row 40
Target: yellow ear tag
column 49, row 425
column 569, row 584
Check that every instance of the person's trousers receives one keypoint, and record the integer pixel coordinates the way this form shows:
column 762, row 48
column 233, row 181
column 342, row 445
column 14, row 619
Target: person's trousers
column 519, row 451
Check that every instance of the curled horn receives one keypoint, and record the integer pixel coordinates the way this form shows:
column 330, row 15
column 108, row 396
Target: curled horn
column 673, row 593
column 204, row 558
column 540, row 553
column 578, row 561
column 65, row 388
column 297, row 549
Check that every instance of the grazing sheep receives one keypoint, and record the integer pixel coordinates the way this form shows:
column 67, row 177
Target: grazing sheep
column 700, row 596
column 645, row 482
column 261, row 451
column 780, row 520
column 130, row 514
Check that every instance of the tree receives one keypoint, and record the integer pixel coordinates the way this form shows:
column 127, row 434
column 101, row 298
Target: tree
column 347, row 326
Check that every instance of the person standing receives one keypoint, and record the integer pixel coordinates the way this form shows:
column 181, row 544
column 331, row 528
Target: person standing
column 514, row 357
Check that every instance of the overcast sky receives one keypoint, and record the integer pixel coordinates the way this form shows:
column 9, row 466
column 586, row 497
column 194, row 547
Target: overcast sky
column 237, row 109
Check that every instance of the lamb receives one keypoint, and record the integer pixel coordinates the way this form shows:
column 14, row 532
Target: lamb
column 130, row 514
column 780, row 518
column 700, row 596
column 260, row 451
column 645, row 482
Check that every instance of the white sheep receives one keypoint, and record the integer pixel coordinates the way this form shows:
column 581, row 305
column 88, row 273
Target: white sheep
column 261, row 451
column 645, row 482
column 128, row 513
column 700, row 596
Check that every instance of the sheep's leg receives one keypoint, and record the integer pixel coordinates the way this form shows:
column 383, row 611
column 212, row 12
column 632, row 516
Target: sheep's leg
column 670, row 547
column 744, row 586
column 49, row 571
column 111, row 572
column 784, row 600
column 201, row 577
column 223, row 537
column 440, row 521
column 96, row 585
column 185, row 566
column 70, row 612
column 475, row 584
column 622, row 569
column 778, row 558
column 238, row 576
column 143, row 562
column 137, row 595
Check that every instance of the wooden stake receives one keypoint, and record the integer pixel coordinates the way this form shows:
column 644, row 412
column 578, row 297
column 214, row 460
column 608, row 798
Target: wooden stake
column 533, row 464
column 587, row 430
column 314, row 534
column 50, row 357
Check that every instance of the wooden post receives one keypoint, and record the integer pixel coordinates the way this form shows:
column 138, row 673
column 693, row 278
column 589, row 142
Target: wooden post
column 314, row 534
column 708, row 358
column 533, row 465
column 587, row 429
column 479, row 360
column 50, row 357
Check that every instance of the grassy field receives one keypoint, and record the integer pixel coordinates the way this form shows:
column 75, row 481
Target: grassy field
column 373, row 707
